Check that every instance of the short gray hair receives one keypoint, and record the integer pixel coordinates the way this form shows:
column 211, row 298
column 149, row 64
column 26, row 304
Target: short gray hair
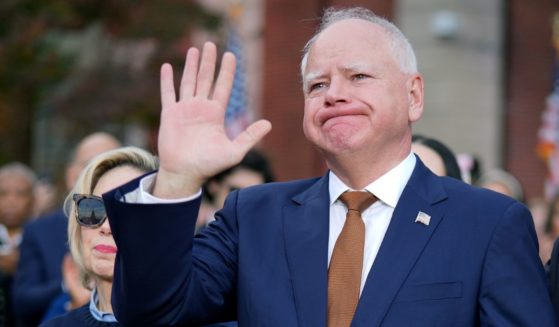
column 20, row 169
column 401, row 48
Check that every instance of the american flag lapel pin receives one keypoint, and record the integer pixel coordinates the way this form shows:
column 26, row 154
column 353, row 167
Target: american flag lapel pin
column 423, row 218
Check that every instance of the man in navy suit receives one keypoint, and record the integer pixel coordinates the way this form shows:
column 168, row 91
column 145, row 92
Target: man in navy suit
column 436, row 251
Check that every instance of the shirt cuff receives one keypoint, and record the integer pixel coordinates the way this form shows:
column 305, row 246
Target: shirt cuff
column 143, row 196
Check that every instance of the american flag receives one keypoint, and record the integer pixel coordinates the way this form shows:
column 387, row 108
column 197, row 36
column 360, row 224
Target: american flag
column 548, row 146
column 238, row 115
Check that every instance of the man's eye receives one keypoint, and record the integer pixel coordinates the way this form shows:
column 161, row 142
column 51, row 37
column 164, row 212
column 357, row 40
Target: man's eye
column 359, row 76
column 316, row 86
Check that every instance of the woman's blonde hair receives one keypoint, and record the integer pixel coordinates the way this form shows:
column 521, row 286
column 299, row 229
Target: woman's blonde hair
column 86, row 182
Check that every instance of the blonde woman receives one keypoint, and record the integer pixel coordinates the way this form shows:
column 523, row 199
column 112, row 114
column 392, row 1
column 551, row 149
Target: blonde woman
column 89, row 235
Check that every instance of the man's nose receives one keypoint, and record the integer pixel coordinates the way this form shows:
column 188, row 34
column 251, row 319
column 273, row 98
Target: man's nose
column 336, row 92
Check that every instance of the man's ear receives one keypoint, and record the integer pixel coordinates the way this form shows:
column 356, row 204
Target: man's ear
column 415, row 97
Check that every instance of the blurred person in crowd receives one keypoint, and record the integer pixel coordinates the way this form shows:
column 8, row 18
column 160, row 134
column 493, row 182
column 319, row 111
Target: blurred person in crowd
column 436, row 156
column 540, row 208
column 552, row 221
column 89, row 234
column 502, row 182
column 254, row 169
column 38, row 280
column 551, row 227
column 44, row 197
column 551, row 254
column 16, row 201
column 470, row 167
column 378, row 240
column 74, row 295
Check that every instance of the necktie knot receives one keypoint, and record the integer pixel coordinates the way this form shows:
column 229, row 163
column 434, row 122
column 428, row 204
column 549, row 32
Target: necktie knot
column 358, row 201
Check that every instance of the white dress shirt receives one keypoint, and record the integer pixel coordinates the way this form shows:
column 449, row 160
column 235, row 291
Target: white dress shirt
column 387, row 189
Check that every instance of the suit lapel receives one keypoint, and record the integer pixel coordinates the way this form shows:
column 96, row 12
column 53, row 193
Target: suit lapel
column 306, row 226
column 402, row 245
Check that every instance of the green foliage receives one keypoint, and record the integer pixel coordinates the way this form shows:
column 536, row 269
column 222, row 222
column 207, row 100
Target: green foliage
column 38, row 70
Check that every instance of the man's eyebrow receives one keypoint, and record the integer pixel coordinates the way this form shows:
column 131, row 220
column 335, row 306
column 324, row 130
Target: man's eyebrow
column 356, row 67
column 313, row 75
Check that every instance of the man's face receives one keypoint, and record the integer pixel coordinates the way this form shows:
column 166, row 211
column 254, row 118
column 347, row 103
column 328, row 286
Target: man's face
column 16, row 197
column 356, row 97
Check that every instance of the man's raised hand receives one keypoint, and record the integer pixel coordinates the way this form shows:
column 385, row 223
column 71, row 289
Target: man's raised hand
column 193, row 144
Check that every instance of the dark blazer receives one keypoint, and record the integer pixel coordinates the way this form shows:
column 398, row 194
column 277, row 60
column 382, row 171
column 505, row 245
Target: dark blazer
column 81, row 317
column 39, row 274
column 264, row 261
column 553, row 266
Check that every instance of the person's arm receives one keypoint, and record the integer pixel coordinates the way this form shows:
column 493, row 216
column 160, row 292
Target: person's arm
column 164, row 277
column 31, row 293
column 79, row 295
column 514, row 290
column 158, row 279
column 192, row 142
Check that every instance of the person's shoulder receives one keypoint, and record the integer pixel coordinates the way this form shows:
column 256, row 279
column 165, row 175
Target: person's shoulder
column 55, row 218
column 59, row 321
column 72, row 318
column 54, row 224
column 77, row 317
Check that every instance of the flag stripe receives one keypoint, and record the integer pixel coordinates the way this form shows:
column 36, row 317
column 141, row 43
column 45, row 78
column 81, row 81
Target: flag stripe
column 238, row 115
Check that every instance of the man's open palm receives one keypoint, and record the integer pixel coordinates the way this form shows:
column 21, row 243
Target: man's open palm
column 193, row 144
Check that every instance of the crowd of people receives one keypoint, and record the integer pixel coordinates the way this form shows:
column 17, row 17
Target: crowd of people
column 46, row 266
column 425, row 248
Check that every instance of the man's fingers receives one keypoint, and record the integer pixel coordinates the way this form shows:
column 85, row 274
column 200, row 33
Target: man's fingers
column 188, row 80
column 252, row 135
column 168, row 95
column 206, row 73
column 225, row 79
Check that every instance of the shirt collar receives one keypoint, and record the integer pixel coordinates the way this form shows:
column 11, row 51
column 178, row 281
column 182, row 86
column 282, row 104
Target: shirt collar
column 96, row 313
column 386, row 188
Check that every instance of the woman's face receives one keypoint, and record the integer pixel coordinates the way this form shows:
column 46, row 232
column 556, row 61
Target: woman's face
column 98, row 246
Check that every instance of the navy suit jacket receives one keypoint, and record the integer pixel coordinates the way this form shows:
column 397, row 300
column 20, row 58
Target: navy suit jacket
column 264, row 261
column 553, row 274
column 39, row 273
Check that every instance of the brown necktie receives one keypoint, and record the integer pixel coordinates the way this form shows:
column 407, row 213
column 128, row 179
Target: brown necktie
column 346, row 264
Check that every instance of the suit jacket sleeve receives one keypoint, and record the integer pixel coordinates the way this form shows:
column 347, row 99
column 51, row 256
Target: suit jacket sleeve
column 517, row 295
column 32, row 292
column 162, row 275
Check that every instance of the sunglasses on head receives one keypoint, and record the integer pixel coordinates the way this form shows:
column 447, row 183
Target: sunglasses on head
column 90, row 210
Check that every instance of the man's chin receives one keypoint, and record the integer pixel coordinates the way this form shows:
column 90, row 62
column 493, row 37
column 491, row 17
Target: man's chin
column 339, row 149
